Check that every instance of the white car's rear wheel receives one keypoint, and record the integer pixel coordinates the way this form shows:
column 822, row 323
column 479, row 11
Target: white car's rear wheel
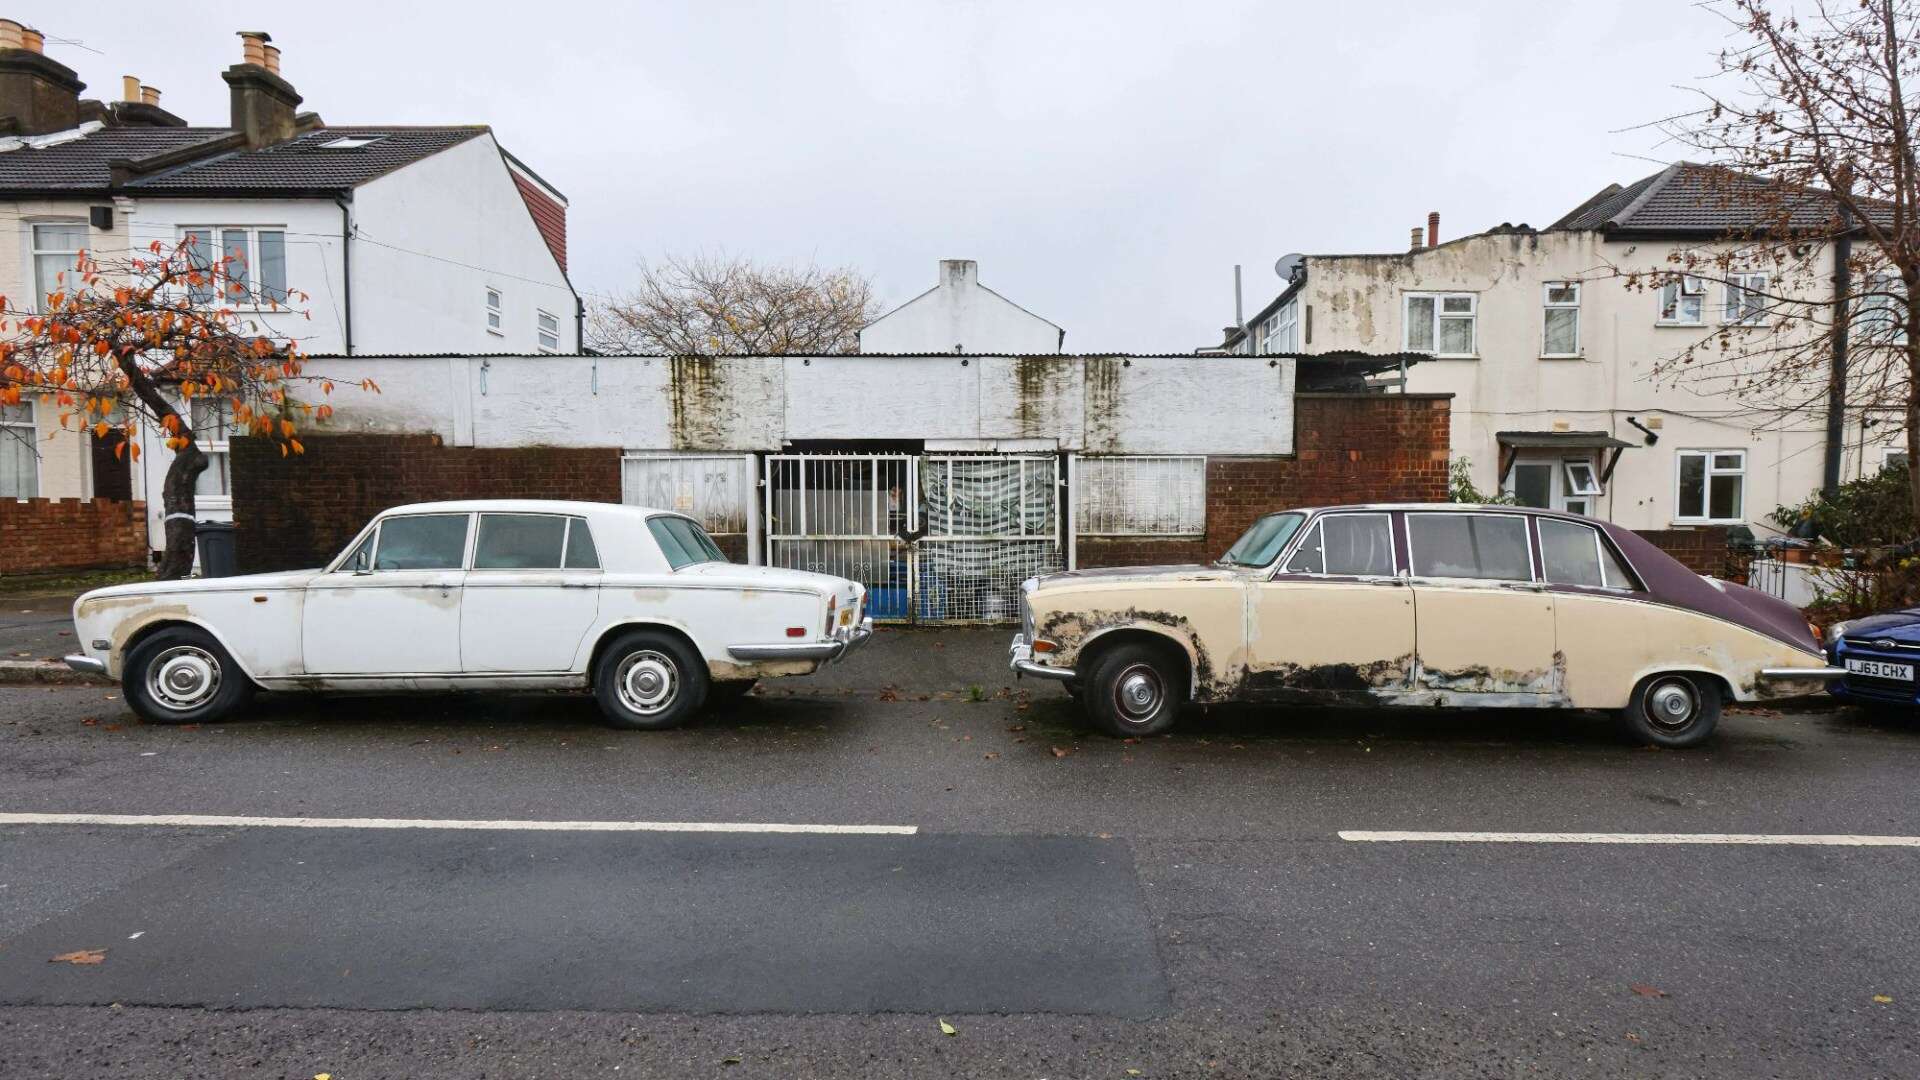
column 649, row 679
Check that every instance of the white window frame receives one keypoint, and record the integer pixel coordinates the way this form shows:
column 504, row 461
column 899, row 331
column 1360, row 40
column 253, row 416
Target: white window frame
column 496, row 311
column 1706, row 486
column 541, row 336
column 1280, row 333
column 27, row 430
column 1876, row 307
column 1548, row 305
column 1685, row 287
column 1440, row 315
column 256, row 298
column 1738, row 286
column 34, row 251
column 215, row 443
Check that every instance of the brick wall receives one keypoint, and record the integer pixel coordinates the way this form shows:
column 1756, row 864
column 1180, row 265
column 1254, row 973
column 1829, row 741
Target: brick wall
column 1701, row 549
column 300, row 511
column 1348, row 448
column 40, row 535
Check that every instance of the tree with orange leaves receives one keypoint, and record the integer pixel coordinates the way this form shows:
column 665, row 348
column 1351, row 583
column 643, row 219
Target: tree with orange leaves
column 133, row 342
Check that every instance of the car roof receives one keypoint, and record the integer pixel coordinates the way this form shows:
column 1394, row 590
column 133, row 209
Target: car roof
column 1443, row 507
column 529, row 506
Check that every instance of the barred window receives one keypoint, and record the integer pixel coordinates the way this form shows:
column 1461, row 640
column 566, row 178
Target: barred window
column 710, row 488
column 1140, row 496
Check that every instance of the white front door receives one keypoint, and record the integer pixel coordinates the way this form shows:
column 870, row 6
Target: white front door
column 532, row 594
column 393, row 607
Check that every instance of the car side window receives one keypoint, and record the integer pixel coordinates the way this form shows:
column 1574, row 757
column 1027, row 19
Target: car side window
column 1358, row 544
column 519, row 542
column 1489, row 546
column 581, row 554
column 422, row 542
column 1310, row 557
column 360, row 559
column 1570, row 554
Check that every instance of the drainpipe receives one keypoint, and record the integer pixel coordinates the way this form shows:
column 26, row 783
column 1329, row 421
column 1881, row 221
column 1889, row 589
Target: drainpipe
column 1239, row 320
column 1837, row 382
column 346, row 270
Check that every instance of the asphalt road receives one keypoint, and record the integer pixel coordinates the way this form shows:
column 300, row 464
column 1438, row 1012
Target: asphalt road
column 1070, row 905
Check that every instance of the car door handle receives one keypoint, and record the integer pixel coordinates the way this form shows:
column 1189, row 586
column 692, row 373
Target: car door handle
column 576, row 584
column 1391, row 583
column 1523, row 586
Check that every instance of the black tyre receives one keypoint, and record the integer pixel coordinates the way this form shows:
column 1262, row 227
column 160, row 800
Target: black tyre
column 181, row 675
column 1133, row 690
column 1672, row 710
column 648, row 679
column 731, row 692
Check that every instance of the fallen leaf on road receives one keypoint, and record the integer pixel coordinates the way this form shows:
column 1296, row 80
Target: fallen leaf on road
column 81, row 956
column 322, row 1076
column 1061, row 751
column 990, row 755
column 1133, row 1072
column 730, row 1061
column 1882, row 999
column 1016, row 727
column 1646, row 991
column 948, row 1029
column 889, row 695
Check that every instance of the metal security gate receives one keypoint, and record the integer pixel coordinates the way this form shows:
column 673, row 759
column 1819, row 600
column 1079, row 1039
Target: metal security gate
column 939, row 538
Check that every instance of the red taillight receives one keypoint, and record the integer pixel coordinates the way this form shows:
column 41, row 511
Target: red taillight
column 833, row 604
column 796, row 631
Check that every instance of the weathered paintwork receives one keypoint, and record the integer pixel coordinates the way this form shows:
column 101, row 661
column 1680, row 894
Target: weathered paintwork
column 332, row 629
column 1256, row 634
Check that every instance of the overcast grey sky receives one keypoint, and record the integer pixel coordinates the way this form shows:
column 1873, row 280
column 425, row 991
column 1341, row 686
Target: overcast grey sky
column 1107, row 163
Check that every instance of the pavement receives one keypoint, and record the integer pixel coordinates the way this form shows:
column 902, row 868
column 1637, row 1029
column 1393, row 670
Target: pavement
column 502, row 887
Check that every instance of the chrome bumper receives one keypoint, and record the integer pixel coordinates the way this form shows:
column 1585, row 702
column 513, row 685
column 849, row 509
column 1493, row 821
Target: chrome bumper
column 85, row 664
column 843, row 642
column 1020, row 659
column 1795, row 674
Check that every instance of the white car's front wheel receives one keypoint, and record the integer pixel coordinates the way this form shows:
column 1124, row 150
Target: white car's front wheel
column 649, row 679
column 181, row 675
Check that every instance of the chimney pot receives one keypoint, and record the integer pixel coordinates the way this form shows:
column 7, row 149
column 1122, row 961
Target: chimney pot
column 273, row 58
column 1433, row 228
column 33, row 40
column 149, row 96
column 129, row 88
column 12, row 35
column 253, row 47
column 1415, row 243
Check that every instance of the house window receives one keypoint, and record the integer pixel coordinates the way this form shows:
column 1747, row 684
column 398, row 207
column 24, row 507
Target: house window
column 548, row 331
column 493, row 312
column 1882, row 311
column 1746, row 298
column 1566, row 484
column 1683, row 301
column 56, row 252
column 1441, row 323
column 19, row 457
column 1711, row 485
column 251, row 261
column 212, row 420
column 1895, row 459
column 1561, row 333
column 1281, row 332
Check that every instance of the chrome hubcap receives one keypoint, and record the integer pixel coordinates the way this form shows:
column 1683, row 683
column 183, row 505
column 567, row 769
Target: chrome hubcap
column 1672, row 703
column 1138, row 693
column 183, row 677
column 648, row 682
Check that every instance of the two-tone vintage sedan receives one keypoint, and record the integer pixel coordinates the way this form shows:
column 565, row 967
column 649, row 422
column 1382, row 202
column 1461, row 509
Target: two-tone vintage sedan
column 639, row 605
column 1440, row 604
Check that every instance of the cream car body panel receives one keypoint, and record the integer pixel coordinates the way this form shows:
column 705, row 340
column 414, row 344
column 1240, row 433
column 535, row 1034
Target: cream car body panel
column 1443, row 639
column 478, row 628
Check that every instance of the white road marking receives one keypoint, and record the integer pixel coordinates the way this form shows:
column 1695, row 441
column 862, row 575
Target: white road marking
column 220, row 821
column 1756, row 839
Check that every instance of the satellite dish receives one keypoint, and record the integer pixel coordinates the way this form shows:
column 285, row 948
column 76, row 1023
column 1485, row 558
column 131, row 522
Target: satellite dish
column 1288, row 265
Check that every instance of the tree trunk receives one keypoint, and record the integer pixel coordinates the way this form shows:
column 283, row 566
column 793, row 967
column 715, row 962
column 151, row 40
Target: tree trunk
column 176, row 499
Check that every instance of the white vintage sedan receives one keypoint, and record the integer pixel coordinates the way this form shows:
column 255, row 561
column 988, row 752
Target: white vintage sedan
column 638, row 604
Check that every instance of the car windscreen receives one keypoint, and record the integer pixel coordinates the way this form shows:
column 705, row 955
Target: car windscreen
column 1260, row 544
column 683, row 542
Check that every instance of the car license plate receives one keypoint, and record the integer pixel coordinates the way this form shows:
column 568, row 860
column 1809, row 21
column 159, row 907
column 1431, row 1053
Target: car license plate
column 1879, row 669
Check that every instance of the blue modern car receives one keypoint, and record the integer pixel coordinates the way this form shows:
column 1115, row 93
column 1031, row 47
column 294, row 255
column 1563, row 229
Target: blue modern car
column 1881, row 654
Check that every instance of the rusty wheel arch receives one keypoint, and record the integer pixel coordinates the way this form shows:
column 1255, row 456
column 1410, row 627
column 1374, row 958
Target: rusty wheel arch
column 1100, row 643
